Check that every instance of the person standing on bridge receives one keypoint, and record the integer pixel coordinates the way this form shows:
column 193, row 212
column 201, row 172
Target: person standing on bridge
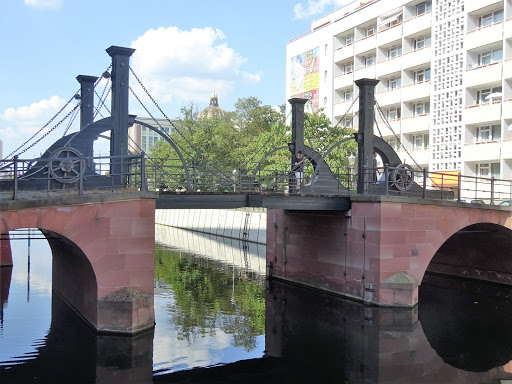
column 375, row 170
column 298, row 168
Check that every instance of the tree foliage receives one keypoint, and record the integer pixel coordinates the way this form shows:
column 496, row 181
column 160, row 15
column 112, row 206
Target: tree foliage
column 239, row 140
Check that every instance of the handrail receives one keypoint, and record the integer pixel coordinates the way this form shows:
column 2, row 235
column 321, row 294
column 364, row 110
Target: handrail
column 92, row 175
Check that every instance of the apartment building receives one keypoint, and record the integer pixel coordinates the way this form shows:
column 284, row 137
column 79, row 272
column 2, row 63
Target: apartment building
column 445, row 71
column 142, row 139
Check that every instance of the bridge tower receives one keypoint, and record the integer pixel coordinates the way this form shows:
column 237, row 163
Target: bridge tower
column 120, row 87
column 365, row 135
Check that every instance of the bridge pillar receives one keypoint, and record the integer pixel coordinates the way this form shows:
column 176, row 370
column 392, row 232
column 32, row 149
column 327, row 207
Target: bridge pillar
column 120, row 91
column 365, row 134
column 102, row 254
column 5, row 250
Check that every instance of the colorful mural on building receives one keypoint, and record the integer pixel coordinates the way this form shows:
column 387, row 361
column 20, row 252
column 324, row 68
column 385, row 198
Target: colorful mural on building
column 305, row 77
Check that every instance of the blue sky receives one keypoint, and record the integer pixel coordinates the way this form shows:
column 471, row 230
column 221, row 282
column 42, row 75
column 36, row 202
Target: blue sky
column 184, row 51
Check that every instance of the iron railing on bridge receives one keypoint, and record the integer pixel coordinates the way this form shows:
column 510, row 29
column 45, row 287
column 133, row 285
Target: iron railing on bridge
column 80, row 175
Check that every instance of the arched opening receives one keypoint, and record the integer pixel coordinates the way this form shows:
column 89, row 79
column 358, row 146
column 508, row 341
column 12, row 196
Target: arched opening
column 480, row 251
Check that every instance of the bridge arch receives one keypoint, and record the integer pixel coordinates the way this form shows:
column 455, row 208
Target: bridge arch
column 103, row 257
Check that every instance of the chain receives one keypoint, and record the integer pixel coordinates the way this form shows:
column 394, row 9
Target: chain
column 159, row 125
column 170, row 122
column 51, row 130
column 71, row 122
column 381, row 113
column 39, row 131
column 333, row 128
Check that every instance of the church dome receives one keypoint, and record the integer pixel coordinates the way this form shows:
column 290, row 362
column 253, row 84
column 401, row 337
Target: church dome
column 213, row 109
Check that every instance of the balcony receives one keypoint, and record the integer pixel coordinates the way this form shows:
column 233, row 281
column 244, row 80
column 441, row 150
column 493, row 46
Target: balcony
column 388, row 66
column 388, row 97
column 365, row 44
column 483, row 36
column 507, row 109
column 508, row 28
column 365, row 72
column 417, row 24
column 419, row 123
column 479, row 152
column 507, row 149
column 472, row 6
column 340, row 109
column 416, row 91
column 390, row 34
column 507, row 69
column 343, row 81
column 383, row 127
column 415, row 156
column 481, row 113
column 343, row 53
column 416, row 58
column 484, row 74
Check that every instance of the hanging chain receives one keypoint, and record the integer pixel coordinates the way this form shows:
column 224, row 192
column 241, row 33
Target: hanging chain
column 41, row 129
column 381, row 113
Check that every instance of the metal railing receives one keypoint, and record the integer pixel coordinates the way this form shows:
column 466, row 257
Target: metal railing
column 78, row 175
column 71, row 173
column 419, row 183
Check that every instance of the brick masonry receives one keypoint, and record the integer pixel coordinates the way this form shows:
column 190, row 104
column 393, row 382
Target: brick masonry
column 377, row 253
column 99, row 249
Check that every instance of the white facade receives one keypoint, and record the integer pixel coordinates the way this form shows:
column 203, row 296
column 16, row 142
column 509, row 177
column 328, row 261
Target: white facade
column 445, row 71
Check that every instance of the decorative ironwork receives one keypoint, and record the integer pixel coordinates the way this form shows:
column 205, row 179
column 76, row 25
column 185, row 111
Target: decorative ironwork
column 402, row 177
column 64, row 165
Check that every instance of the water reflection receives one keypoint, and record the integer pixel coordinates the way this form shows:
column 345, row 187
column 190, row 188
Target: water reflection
column 224, row 318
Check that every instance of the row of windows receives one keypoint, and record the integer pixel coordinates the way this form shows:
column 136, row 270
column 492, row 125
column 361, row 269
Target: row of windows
column 371, row 29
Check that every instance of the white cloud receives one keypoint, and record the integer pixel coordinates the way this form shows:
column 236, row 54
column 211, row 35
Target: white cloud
column 44, row 4
column 19, row 124
column 316, row 7
column 181, row 66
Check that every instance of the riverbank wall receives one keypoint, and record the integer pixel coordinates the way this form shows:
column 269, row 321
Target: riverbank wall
column 244, row 224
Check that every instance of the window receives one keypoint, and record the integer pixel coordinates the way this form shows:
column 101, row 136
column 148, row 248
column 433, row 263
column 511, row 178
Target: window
column 421, row 42
column 487, row 95
column 490, row 18
column 393, row 113
column 325, row 101
column 394, row 51
column 346, row 40
column 420, row 108
column 394, row 83
column 488, row 170
column 325, row 75
column 347, row 95
column 369, row 60
column 347, row 122
column 348, row 67
column 326, row 50
column 393, row 142
column 488, row 133
column 370, row 30
column 489, row 57
column 422, row 75
column 419, row 141
column 423, row 8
